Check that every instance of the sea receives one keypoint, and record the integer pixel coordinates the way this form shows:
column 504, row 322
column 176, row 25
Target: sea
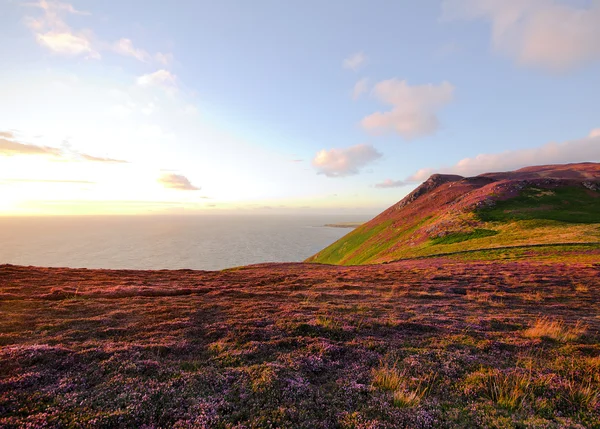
column 204, row 242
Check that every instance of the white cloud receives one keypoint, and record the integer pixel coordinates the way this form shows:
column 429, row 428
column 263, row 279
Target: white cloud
column 164, row 59
column 149, row 109
column 355, row 61
column 344, row 162
column 67, row 44
column 582, row 150
column 360, row 88
column 125, row 47
column 547, row 33
column 414, row 108
column 53, row 32
column 595, row 133
column 177, row 181
column 162, row 78
column 389, row 183
column 10, row 146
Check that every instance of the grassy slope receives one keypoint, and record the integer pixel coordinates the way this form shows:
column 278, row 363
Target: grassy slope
column 536, row 216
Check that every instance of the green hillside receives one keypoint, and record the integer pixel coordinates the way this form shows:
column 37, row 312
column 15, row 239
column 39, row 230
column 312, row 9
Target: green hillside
column 460, row 216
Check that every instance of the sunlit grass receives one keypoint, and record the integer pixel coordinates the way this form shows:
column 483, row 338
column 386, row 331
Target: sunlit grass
column 555, row 330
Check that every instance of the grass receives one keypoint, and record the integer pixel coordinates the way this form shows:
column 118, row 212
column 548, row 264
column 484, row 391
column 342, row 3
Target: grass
column 406, row 398
column 584, row 395
column 555, row 330
column 565, row 204
column 459, row 237
column 507, row 389
column 389, row 378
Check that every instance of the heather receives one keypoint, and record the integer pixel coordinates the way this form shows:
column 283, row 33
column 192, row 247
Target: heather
column 432, row 343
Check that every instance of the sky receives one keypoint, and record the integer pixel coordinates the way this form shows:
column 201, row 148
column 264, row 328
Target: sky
column 266, row 106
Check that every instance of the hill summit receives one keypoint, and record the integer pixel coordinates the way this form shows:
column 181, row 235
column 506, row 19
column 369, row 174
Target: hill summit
column 550, row 205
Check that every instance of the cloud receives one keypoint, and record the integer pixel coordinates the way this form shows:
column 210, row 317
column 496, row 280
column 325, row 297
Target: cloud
column 344, row 162
column 389, row 183
column 161, row 78
column 164, row 59
column 355, row 61
column 125, row 47
column 101, row 159
column 67, row 44
column 177, row 181
column 582, row 150
column 414, row 108
column 595, row 133
column 52, row 31
column 545, row 33
column 11, row 147
column 360, row 88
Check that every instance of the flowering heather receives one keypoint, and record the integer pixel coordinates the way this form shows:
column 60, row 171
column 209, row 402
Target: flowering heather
column 434, row 343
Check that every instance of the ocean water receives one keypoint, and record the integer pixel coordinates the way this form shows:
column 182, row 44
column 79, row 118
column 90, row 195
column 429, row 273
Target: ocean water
column 207, row 242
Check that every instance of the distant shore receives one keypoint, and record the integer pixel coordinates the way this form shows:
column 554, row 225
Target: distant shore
column 344, row 224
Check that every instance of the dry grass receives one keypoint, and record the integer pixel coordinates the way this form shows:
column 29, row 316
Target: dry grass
column 387, row 378
column 582, row 395
column 407, row 398
column 555, row 330
column 405, row 393
column 508, row 389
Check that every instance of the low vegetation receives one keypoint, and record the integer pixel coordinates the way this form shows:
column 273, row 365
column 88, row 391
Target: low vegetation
column 432, row 343
column 563, row 204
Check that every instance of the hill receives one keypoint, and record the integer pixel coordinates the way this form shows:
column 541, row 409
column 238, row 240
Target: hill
column 536, row 208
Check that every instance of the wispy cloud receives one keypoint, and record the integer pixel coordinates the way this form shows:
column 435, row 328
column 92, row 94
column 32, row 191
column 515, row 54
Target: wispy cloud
column 582, row 150
column 414, row 108
column 346, row 161
column 9, row 147
column 54, row 33
column 355, row 61
column 67, row 44
column 164, row 59
column 160, row 78
column 545, row 33
column 92, row 158
column 177, row 181
column 125, row 47
column 389, row 183
column 360, row 87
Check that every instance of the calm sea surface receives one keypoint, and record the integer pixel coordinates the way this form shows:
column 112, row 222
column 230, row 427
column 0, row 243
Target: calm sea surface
column 207, row 242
